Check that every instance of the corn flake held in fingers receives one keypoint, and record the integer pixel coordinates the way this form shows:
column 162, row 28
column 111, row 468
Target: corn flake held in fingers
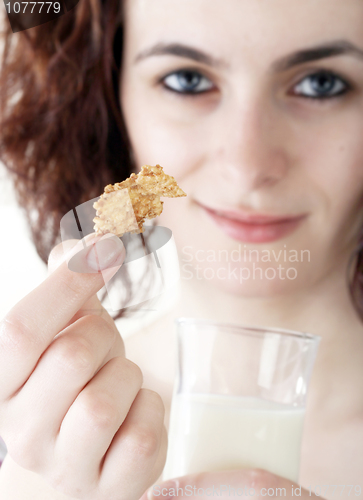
column 124, row 206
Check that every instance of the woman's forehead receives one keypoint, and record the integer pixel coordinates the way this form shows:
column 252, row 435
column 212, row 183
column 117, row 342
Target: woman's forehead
column 224, row 24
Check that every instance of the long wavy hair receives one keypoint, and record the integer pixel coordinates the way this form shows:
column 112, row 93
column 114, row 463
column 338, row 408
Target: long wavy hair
column 62, row 133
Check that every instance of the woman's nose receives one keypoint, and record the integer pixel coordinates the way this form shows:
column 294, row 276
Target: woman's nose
column 251, row 148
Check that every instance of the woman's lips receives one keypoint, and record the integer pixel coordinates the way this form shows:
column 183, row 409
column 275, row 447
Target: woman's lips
column 253, row 228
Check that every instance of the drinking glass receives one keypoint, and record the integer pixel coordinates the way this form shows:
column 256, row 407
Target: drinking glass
column 239, row 398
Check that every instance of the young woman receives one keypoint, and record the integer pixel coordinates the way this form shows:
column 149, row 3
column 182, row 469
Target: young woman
column 256, row 108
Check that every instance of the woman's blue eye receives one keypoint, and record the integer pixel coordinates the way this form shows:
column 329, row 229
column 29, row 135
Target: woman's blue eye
column 321, row 85
column 187, row 82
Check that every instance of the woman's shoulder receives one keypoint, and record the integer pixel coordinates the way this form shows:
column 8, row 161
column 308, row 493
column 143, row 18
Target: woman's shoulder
column 334, row 454
column 348, row 447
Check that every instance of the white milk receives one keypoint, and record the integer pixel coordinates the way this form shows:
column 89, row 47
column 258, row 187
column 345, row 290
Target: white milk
column 215, row 432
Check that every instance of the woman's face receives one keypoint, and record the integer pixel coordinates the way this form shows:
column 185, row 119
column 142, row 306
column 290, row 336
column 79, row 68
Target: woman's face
column 256, row 108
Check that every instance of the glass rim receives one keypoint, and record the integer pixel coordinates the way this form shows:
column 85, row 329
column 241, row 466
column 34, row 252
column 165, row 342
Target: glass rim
column 250, row 329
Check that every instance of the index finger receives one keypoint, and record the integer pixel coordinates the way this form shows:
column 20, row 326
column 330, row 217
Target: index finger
column 30, row 326
column 93, row 305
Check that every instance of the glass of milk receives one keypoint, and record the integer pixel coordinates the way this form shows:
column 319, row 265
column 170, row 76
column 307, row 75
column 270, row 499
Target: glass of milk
column 239, row 398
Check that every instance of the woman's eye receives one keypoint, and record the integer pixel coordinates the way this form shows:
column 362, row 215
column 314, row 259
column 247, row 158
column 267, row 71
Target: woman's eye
column 187, row 82
column 321, row 85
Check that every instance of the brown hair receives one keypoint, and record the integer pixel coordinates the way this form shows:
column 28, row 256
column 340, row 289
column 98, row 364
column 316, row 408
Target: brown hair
column 62, row 134
column 355, row 277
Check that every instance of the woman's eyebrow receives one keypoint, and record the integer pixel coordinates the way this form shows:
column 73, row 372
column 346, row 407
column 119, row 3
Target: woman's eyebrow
column 329, row 49
column 180, row 50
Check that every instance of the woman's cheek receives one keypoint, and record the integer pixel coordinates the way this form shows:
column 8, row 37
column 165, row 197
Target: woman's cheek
column 165, row 129
column 178, row 150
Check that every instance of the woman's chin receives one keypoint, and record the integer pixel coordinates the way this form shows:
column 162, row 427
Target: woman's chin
column 253, row 289
column 246, row 281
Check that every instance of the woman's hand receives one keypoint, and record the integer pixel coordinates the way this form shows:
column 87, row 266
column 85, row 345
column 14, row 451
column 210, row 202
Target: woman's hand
column 71, row 405
column 241, row 483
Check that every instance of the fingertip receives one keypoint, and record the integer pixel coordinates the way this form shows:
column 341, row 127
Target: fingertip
column 96, row 254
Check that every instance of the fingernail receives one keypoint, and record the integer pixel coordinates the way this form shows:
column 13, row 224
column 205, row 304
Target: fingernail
column 105, row 253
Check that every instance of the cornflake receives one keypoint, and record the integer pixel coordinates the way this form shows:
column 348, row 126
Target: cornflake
column 124, row 206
